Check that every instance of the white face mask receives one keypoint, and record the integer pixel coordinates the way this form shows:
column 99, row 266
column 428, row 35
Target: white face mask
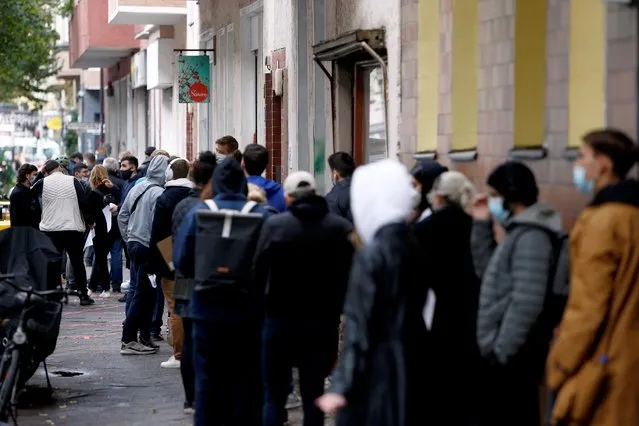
column 168, row 174
column 220, row 157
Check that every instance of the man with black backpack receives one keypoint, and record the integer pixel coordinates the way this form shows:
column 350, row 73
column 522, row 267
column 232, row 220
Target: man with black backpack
column 517, row 312
column 215, row 246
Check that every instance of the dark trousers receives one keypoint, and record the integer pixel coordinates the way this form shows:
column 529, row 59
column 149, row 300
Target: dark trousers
column 116, row 264
column 510, row 396
column 186, row 361
column 228, row 388
column 308, row 345
column 140, row 310
column 100, row 272
column 73, row 243
column 158, row 311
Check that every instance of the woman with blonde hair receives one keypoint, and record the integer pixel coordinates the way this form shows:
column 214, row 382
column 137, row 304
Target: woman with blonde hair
column 452, row 355
column 103, row 194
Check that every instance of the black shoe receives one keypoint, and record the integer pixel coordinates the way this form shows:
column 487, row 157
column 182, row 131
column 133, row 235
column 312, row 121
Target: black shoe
column 86, row 301
column 149, row 342
column 156, row 338
column 122, row 299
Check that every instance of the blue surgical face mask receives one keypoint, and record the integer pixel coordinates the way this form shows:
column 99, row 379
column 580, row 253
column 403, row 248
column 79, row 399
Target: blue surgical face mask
column 496, row 208
column 579, row 179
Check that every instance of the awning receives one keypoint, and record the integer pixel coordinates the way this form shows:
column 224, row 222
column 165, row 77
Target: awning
column 349, row 46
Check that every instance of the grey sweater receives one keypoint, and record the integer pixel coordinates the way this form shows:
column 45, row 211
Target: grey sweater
column 514, row 279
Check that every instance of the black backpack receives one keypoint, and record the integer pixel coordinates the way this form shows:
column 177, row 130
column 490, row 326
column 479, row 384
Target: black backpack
column 559, row 277
column 225, row 245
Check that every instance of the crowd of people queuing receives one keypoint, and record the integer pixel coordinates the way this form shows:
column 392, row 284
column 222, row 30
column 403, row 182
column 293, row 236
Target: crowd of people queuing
column 447, row 297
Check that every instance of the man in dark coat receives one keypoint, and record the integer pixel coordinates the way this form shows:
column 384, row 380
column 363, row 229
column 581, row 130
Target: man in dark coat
column 339, row 198
column 145, row 164
column 302, row 321
column 176, row 189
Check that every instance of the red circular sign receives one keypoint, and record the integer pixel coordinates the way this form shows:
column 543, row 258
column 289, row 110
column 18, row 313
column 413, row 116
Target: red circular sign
column 198, row 92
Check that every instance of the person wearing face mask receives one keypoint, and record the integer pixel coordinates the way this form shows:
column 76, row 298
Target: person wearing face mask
column 81, row 173
column 227, row 146
column 424, row 174
column 511, row 331
column 342, row 168
column 24, row 209
column 452, row 355
column 595, row 357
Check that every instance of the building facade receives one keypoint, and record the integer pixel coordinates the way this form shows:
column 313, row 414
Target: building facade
column 489, row 80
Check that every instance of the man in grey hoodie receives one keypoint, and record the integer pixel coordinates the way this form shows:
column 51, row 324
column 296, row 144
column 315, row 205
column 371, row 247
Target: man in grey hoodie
column 512, row 334
column 135, row 221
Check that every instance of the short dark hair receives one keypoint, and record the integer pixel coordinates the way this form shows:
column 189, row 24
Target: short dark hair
column 77, row 156
column 203, row 168
column 255, row 159
column 617, row 146
column 515, row 182
column 342, row 163
column 78, row 167
column 51, row 165
column 90, row 156
column 229, row 141
column 131, row 160
column 24, row 171
column 149, row 150
column 180, row 168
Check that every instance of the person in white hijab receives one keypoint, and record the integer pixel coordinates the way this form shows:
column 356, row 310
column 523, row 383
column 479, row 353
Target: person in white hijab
column 379, row 377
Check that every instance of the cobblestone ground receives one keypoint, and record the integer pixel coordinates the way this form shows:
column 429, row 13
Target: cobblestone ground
column 94, row 385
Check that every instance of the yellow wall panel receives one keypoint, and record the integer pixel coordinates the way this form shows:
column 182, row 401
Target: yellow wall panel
column 464, row 99
column 586, row 86
column 530, row 73
column 428, row 76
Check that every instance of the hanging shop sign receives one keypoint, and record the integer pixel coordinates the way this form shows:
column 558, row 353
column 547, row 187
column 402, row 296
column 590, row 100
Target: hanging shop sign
column 194, row 79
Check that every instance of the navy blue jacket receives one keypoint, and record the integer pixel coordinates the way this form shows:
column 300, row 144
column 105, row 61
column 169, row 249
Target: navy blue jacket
column 229, row 184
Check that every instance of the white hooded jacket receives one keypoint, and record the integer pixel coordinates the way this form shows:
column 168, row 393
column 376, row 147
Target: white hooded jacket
column 381, row 193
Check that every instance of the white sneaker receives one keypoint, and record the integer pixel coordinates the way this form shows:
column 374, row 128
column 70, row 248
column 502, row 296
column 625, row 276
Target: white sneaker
column 89, row 292
column 124, row 287
column 171, row 363
column 105, row 294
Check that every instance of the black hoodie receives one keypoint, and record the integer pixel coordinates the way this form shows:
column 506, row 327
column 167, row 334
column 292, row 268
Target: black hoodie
column 303, row 260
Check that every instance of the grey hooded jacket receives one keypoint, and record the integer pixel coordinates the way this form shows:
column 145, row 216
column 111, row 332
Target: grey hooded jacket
column 514, row 279
column 136, row 225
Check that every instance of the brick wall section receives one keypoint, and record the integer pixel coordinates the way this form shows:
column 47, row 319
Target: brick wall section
column 409, row 71
column 189, row 133
column 274, row 112
column 444, row 120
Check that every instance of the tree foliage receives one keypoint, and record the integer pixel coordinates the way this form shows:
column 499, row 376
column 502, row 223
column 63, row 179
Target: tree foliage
column 27, row 41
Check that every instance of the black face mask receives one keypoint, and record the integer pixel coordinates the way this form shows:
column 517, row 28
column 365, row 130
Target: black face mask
column 126, row 174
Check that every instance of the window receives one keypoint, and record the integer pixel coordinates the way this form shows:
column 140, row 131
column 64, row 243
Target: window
column 370, row 139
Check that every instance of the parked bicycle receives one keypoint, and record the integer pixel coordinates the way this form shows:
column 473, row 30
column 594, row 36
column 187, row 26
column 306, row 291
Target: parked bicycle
column 29, row 330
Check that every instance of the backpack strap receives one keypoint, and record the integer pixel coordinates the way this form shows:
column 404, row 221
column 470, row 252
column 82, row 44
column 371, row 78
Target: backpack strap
column 212, row 206
column 250, row 205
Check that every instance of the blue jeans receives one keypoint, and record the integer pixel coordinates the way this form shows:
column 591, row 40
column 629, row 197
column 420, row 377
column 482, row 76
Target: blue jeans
column 309, row 345
column 228, row 388
column 116, row 264
column 141, row 299
column 158, row 311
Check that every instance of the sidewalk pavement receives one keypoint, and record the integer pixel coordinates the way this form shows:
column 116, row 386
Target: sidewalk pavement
column 95, row 385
